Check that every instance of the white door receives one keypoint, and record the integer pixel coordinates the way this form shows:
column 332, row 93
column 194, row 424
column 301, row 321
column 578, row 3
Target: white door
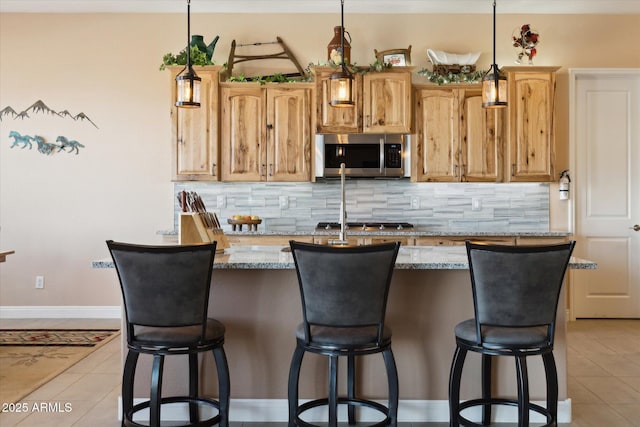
column 605, row 156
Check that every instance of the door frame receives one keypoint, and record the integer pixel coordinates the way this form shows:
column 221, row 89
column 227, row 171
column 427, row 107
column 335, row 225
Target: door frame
column 574, row 74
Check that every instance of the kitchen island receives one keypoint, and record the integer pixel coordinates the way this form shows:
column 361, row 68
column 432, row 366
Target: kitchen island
column 255, row 294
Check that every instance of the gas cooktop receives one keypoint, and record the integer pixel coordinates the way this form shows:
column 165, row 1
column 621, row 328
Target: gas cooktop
column 365, row 226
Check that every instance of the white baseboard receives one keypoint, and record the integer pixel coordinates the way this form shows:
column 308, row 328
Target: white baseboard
column 276, row 410
column 60, row 312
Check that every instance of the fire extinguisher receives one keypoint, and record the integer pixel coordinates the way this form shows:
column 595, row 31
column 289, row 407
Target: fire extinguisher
column 565, row 181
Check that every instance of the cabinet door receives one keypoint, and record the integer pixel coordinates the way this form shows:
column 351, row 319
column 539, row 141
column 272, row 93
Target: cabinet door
column 387, row 102
column 482, row 141
column 243, row 155
column 288, row 134
column 437, row 135
column 336, row 119
column 195, row 130
column 531, row 124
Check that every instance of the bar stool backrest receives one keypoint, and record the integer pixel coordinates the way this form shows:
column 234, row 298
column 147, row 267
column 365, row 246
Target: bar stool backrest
column 517, row 286
column 344, row 286
column 164, row 286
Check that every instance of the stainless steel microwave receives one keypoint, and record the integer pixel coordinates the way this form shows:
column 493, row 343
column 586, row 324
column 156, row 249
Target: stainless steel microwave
column 364, row 156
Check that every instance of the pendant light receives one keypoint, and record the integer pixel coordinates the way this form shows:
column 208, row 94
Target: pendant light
column 494, row 85
column 340, row 84
column 188, row 82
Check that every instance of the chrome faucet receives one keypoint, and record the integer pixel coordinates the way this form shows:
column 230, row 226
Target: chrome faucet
column 342, row 237
column 343, row 207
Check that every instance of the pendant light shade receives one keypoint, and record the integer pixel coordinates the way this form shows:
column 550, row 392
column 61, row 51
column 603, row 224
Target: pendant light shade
column 188, row 82
column 494, row 85
column 341, row 83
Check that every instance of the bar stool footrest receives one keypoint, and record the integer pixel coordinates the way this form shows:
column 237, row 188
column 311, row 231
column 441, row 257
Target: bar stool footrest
column 497, row 401
column 344, row 401
column 200, row 401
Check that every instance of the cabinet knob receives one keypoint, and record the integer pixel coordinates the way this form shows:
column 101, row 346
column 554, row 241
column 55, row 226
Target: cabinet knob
column 269, row 126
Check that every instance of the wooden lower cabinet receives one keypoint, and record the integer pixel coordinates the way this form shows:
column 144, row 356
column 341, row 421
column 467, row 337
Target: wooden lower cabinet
column 283, row 240
column 522, row 241
column 249, row 240
column 459, row 241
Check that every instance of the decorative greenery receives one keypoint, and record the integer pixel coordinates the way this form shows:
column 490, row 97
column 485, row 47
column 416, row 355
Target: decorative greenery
column 462, row 77
column 197, row 58
column 276, row 78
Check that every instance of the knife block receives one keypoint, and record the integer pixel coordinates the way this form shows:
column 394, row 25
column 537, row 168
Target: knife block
column 192, row 230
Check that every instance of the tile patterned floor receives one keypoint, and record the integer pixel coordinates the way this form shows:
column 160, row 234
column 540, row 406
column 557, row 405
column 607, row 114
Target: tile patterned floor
column 604, row 379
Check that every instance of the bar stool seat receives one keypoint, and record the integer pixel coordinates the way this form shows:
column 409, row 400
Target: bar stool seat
column 344, row 294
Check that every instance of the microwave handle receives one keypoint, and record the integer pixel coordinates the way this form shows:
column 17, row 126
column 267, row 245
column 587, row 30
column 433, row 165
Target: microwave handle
column 382, row 153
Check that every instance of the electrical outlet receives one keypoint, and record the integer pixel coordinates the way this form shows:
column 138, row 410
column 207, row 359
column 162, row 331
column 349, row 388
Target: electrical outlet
column 415, row 202
column 39, row 282
column 284, row 202
column 476, row 204
column 221, row 201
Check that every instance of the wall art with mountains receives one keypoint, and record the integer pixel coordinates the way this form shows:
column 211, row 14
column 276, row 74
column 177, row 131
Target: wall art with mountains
column 62, row 143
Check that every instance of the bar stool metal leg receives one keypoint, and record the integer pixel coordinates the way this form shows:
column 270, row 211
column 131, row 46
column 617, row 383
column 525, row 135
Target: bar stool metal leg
column 454, row 385
column 224, row 385
column 294, row 378
column 128, row 375
column 156, row 390
column 333, row 391
column 392, row 379
column 193, row 387
column 552, row 384
column 486, row 387
column 523, row 391
column 351, row 387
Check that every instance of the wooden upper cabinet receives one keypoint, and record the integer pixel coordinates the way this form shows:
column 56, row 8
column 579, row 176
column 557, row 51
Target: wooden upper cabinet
column 382, row 102
column 289, row 134
column 243, row 133
column 331, row 119
column 437, row 143
column 531, row 124
column 482, row 139
column 194, row 131
column 266, row 132
column 456, row 139
column 387, row 102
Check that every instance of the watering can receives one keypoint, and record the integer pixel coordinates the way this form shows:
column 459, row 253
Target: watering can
column 198, row 41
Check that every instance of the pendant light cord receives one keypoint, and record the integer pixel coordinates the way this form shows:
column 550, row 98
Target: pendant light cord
column 495, row 66
column 344, row 66
column 189, row 35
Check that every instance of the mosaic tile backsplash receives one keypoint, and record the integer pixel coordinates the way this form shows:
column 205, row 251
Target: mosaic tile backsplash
column 289, row 207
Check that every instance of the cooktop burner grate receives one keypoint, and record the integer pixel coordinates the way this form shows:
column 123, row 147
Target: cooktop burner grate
column 365, row 226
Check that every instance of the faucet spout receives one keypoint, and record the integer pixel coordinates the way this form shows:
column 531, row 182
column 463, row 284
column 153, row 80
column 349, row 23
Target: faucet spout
column 342, row 237
column 343, row 206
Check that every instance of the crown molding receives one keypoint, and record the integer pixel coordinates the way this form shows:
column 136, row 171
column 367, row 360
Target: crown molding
column 324, row 6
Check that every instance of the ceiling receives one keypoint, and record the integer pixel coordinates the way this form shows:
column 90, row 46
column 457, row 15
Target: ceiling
column 323, row 6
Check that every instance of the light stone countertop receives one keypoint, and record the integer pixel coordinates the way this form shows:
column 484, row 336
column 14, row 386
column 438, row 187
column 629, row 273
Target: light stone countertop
column 413, row 232
column 409, row 258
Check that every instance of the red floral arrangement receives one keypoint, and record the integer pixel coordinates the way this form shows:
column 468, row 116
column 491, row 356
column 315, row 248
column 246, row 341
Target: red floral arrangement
column 525, row 40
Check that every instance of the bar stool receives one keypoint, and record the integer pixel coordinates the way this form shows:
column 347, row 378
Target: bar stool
column 515, row 295
column 344, row 294
column 166, row 297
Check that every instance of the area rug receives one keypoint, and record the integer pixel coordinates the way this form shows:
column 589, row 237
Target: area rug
column 31, row 358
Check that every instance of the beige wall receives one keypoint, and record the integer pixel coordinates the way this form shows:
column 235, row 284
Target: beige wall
column 56, row 211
